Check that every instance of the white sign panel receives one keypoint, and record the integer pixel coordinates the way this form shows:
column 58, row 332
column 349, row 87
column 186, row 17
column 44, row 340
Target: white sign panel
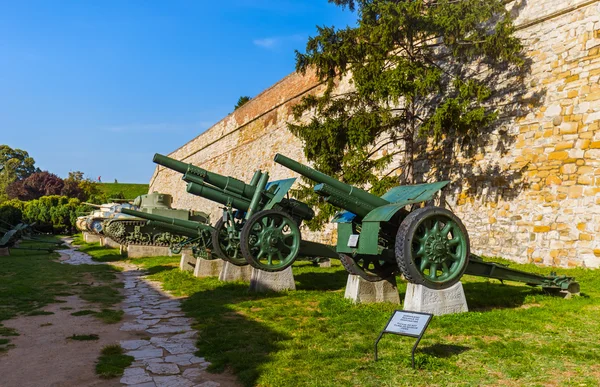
column 353, row 240
column 408, row 323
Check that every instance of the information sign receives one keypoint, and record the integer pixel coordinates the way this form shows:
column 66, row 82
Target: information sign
column 406, row 323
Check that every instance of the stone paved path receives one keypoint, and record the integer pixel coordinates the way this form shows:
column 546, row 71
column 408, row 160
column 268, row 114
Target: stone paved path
column 164, row 353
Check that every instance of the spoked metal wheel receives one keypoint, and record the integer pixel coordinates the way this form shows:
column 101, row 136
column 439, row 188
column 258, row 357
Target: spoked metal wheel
column 270, row 240
column 226, row 244
column 368, row 268
column 432, row 247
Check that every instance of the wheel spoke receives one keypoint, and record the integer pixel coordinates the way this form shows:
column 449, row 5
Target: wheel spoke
column 454, row 241
column 280, row 256
column 270, row 259
column 421, row 251
column 447, row 228
column 433, row 271
column 424, row 263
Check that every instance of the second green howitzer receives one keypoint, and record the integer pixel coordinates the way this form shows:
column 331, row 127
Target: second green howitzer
column 196, row 235
column 379, row 238
column 260, row 225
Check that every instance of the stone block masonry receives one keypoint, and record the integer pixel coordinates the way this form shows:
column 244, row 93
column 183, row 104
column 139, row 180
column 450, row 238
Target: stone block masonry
column 548, row 213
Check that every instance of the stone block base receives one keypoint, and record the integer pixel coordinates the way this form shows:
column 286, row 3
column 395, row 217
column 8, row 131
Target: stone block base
column 208, row 267
column 107, row 242
column 90, row 238
column 438, row 302
column 4, row 252
column 362, row 291
column 136, row 251
column 325, row 263
column 231, row 272
column 188, row 261
column 264, row 281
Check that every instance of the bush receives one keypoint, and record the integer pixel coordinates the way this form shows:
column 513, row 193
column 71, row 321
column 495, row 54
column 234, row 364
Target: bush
column 53, row 213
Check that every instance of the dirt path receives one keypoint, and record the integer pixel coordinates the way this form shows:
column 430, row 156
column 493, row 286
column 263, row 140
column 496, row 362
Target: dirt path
column 44, row 357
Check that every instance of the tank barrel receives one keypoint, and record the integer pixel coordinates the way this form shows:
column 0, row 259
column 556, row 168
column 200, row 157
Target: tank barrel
column 188, row 224
column 92, row 204
column 343, row 189
column 226, row 183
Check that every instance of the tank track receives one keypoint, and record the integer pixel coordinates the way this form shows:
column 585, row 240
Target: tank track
column 119, row 231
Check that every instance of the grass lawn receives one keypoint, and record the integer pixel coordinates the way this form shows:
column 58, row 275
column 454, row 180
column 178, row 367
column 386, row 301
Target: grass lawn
column 514, row 334
column 131, row 191
column 30, row 280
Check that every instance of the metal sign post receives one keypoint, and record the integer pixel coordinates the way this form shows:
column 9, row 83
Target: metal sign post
column 406, row 323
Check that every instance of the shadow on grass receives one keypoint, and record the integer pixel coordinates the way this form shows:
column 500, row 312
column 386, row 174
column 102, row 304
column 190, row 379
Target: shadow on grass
column 483, row 296
column 320, row 280
column 444, row 350
column 228, row 339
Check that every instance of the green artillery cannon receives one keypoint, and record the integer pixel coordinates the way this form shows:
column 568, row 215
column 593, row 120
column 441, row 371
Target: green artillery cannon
column 379, row 238
column 193, row 234
column 260, row 225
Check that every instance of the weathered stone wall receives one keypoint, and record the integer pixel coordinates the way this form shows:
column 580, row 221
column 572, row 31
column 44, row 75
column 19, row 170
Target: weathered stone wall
column 548, row 211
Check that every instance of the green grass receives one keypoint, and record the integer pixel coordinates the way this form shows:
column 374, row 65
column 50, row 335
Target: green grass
column 130, row 191
column 30, row 280
column 91, row 337
column 514, row 334
column 110, row 316
column 112, row 362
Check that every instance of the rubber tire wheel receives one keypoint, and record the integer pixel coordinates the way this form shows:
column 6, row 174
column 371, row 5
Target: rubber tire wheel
column 246, row 234
column 352, row 268
column 219, row 251
column 403, row 249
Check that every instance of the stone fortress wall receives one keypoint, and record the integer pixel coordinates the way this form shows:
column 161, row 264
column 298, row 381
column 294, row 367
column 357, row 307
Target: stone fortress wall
column 548, row 213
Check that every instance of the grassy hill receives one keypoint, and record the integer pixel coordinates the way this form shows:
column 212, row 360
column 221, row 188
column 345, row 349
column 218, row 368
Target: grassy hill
column 130, row 191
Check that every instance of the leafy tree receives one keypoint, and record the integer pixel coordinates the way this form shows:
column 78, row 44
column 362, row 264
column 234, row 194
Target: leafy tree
column 17, row 165
column 73, row 186
column 241, row 102
column 420, row 74
column 35, row 186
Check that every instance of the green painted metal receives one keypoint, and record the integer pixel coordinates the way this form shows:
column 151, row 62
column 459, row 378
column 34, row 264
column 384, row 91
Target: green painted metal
column 260, row 199
column 7, row 239
column 380, row 237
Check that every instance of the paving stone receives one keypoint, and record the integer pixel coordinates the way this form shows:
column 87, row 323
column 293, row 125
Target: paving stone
column 133, row 344
column 127, row 327
column 135, row 376
column 163, row 368
column 182, row 360
column 148, row 384
column 167, row 329
column 172, row 381
column 146, row 354
column 192, row 373
column 196, row 360
column 176, row 348
column 209, row 384
column 186, row 335
column 148, row 322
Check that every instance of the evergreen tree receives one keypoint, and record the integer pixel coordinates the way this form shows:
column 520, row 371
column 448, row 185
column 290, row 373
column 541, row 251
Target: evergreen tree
column 419, row 72
column 241, row 101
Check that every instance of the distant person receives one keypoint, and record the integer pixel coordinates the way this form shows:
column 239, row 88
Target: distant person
column 99, row 179
column 116, row 182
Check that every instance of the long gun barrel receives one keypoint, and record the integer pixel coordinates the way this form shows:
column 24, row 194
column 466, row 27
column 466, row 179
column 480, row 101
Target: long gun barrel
column 226, row 183
column 218, row 196
column 92, row 205
column 187, row 224
column 337, row 193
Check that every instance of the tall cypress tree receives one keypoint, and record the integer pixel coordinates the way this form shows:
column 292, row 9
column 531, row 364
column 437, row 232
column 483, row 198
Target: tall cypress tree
column 419, row 73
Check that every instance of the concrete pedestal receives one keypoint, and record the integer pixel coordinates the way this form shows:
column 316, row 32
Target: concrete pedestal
column 438, row 302
column 325, row 263
column 4, row 252
column 231, row 272
column 90, row 238
column 136, row 251
column 188, row 261
column 264, row 281
column 107, row 242
column 208, row 267
column 362, row 291
column 123, row 250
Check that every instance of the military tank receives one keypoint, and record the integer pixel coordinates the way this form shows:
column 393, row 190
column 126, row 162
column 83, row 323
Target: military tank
column 132, row 230
column 94, row 222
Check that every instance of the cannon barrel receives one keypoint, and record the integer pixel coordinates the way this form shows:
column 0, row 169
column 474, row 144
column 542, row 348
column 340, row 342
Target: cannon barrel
column 218, row 196
column 343, row 190
column 339, row 199
column 188, row 224
column 92, row 204
column 226, row 183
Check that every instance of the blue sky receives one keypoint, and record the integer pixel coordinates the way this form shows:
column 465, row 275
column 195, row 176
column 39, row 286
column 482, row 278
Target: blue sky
column 100, row 86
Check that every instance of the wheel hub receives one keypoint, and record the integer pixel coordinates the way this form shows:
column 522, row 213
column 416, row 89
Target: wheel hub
column 436, row 248
column 270, row 240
